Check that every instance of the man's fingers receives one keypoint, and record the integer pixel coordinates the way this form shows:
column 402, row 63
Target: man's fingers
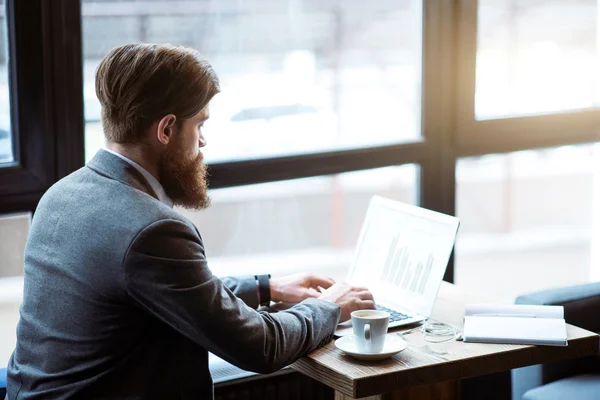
column 312, row 292
column 366, row 304
column 365, row 295
column 324, row 282
column 359, row 289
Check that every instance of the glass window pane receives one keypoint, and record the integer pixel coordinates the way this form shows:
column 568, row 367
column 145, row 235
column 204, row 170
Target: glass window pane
column 536, row 57
column 298, row 76
column 530, row 220
column 300, row 225
column 6, row 142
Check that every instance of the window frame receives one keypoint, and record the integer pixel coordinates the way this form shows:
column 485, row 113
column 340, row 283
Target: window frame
column 46, row 99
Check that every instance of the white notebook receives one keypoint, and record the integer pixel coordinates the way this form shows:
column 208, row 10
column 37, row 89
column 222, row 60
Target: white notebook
column 515, row 324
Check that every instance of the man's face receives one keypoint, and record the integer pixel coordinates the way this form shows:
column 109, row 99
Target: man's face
column 183, row 174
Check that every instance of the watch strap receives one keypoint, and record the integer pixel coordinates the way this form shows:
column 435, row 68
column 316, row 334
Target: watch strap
column 264, row 289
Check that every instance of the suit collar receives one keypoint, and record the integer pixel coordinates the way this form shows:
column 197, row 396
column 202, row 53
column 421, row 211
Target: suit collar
column 112, row 166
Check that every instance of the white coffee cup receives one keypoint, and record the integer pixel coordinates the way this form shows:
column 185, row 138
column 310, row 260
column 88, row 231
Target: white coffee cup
column 370, row 328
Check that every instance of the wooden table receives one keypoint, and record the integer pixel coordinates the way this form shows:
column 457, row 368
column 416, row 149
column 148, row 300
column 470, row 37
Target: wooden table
column 433, row 370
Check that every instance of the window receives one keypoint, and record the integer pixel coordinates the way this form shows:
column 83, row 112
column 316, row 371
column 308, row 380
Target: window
column 297, row 77
column 529, row 220
column 536, row 57
column 309, row 224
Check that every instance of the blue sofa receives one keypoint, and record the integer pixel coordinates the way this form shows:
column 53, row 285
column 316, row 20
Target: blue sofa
column 572, row 379
column 2, row 383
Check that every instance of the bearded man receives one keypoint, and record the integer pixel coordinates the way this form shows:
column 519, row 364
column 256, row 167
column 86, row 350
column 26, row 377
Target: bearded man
column 119, row 301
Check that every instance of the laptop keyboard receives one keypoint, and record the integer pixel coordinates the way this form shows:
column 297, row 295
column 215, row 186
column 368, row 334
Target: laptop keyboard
column 394, row 315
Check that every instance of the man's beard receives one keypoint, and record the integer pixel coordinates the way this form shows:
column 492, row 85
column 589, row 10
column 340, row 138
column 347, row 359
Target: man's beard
column 184, row 180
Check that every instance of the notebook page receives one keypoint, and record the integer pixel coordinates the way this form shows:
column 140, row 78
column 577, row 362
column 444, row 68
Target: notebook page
column 519, row 330
column 514, row 310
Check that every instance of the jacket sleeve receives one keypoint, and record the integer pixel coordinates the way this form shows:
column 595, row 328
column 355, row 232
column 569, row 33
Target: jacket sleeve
column 243, row 287
column 166, row 274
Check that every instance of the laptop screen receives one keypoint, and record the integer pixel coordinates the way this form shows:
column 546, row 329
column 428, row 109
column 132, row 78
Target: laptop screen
column 402, row 254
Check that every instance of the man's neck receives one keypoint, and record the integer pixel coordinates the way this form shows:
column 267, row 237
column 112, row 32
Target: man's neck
column 136, row 154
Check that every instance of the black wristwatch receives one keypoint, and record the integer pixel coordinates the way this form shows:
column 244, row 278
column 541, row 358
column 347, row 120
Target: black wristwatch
column 264, row 289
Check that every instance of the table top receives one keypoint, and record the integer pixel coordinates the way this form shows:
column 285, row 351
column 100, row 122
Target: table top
column 424, row 363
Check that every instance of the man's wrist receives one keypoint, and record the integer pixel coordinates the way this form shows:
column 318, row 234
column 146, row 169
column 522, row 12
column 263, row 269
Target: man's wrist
column 275, row 288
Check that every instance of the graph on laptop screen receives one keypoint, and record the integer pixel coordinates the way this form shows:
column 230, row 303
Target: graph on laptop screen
column 402, row 269
column 404, row 251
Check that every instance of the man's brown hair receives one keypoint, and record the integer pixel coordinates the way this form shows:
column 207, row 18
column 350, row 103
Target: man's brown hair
column 138, row 84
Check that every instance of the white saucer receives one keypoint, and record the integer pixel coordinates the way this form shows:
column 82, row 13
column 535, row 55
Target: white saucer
column 393, row 345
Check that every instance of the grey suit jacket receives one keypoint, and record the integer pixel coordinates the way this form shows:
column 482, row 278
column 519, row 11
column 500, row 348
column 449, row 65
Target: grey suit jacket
column 119, row 301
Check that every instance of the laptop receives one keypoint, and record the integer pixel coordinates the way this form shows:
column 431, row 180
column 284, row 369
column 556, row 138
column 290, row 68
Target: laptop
column 401, row 256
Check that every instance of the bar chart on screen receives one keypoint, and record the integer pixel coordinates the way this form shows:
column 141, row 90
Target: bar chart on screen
column 405, row 269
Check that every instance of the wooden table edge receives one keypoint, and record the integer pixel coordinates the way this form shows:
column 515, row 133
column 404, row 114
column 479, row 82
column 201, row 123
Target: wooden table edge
column 449, row 370
column 308, row 366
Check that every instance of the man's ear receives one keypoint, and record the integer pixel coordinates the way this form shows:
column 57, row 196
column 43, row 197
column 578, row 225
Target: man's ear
column 166, row 128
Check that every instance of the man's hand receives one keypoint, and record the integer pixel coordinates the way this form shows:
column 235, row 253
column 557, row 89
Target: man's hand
column 349, row 298
column 295, row 288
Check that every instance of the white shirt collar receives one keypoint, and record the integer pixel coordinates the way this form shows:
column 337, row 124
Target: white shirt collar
column 152, row 181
